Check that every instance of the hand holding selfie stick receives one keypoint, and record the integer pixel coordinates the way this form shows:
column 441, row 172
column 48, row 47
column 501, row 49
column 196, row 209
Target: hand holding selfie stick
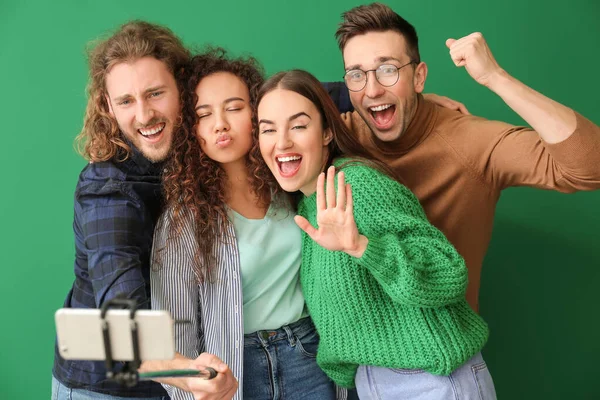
column 129, row 375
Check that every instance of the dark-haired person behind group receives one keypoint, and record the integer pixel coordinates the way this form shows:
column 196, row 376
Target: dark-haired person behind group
column 456, row 164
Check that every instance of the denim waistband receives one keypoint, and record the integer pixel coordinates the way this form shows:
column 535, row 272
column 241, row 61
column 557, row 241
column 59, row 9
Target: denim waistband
column 287, row 332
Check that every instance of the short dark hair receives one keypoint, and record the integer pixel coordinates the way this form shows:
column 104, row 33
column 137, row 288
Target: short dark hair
column 377, row 17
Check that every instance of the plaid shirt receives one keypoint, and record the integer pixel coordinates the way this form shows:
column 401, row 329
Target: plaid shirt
column 340, row 95
column 116, row 207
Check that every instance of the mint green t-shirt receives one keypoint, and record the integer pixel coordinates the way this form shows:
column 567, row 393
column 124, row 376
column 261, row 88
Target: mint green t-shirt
column 270, row 254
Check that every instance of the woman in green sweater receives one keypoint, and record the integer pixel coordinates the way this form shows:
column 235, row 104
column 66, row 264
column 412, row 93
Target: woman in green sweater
column 386, row 290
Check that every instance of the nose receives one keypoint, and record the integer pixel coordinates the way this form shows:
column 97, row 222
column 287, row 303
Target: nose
column 373, row 88
column 144, row 112
column 283, row 141
column 221, row 123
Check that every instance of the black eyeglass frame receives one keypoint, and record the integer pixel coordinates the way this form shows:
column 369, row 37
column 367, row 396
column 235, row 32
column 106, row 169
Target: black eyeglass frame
column 375, row 70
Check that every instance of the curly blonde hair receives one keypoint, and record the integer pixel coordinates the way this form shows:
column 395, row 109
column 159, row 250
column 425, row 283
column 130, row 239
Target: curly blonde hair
column 100, row 139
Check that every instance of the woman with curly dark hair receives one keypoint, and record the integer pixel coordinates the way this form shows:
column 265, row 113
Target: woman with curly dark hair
column 226, row 256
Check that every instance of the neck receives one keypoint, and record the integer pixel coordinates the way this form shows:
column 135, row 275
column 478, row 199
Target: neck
column 413, row 112
column 237, row 179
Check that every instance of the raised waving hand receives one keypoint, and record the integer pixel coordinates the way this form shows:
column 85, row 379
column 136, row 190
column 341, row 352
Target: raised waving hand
column 336, row 229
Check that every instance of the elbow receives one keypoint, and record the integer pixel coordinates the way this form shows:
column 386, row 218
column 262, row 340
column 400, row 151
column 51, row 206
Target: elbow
column 433, row 297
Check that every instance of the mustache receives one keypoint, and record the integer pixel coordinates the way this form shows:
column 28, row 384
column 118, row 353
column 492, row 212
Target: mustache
column 152, row 122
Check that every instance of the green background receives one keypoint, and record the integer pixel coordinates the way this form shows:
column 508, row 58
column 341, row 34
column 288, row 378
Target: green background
column 540, row 279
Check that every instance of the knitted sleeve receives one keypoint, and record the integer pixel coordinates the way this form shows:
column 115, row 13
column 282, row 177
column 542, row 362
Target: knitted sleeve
column 410, row 258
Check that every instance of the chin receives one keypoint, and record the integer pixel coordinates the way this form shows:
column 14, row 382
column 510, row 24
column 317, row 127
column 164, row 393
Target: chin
column 156, row 157
column 387, row 136
column 155, row 154
column 288, row 187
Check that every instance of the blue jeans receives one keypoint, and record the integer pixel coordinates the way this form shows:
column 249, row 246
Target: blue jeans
column 61, row 392
column 470, row 381
column 281, row 364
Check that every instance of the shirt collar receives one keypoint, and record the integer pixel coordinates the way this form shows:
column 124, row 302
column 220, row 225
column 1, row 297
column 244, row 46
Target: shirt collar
column 137, row 163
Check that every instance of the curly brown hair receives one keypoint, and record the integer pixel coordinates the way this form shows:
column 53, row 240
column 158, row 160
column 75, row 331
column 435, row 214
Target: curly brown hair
column 193, row 183
column 101, row 139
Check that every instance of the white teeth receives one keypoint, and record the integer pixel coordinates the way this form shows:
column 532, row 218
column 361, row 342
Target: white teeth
column 380, row 108
column 290, row 158
column 148, row 132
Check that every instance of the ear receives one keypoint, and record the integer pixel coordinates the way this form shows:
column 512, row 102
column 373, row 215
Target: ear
column 327, row 137
column 420, row 77
column 110, row 110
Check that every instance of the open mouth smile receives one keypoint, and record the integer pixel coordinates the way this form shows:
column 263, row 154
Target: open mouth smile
column 288, row 164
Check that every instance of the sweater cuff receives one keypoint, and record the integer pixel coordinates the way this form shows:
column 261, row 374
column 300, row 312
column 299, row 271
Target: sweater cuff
column 580, row 151
column 374, row 256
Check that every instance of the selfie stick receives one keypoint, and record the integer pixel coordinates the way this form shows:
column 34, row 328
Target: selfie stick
column 207, row 373
column 129, row 376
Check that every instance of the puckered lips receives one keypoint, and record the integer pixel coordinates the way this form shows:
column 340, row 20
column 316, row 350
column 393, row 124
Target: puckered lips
column 382, row 115
column 223, row 140
column 288, row 164
column 153, row 133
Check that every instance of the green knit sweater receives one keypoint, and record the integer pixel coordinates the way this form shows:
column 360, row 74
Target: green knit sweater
column 402, row 304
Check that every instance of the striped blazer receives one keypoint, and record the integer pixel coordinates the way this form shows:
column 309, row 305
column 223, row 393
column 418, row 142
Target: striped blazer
column 208, row 316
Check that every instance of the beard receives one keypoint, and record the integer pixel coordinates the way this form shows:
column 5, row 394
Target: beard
column 158, row 151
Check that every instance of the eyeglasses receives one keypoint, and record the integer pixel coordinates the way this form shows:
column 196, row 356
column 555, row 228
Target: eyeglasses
column 386, row 74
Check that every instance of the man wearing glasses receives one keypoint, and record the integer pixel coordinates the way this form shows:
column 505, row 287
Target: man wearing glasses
column 457, row 164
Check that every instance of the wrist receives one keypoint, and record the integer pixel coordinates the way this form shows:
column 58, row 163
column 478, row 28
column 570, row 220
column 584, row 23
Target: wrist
column 497, row 80
column 359, row 249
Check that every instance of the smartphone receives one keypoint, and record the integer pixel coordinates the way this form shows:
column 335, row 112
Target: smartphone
column 79, row 334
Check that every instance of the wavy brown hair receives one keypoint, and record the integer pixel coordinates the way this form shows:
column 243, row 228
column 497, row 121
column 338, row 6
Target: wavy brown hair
column 100, row 139
column 193, row 183
column 344, row 143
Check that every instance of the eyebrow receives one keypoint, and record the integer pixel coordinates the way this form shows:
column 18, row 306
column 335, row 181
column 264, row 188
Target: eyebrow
column 149, row 90
column 377, row 60
column 293, row 117
column 229, row 100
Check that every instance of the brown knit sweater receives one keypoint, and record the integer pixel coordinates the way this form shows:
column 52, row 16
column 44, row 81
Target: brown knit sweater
column 457, row 165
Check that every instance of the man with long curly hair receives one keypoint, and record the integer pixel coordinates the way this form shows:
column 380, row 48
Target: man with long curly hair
column 133, row 111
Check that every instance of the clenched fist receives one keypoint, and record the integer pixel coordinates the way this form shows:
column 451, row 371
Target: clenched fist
column 473, row 53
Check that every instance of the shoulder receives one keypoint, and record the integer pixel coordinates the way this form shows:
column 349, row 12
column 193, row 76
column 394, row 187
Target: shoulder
column 100, row 179
column 107, row 184
column 358, row 126
column 474, row 140
column 371, row 186
column 183, row 224
column 361, row 171
column 457, row 127
column 174, row 243
column 102, row 171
